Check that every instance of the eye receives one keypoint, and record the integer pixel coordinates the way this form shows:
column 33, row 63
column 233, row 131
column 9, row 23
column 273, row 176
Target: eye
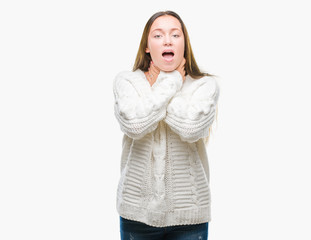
column 175, row 35
column 157, row 36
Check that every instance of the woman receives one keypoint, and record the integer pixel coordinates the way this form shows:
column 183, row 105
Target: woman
column 165, row 107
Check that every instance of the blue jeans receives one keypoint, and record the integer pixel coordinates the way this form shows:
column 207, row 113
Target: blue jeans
column 132, row 230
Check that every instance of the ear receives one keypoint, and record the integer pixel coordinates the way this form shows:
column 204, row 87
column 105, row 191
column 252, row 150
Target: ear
column 147, row 50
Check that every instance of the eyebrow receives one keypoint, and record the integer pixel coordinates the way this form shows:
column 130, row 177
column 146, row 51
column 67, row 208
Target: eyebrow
column 161, row 29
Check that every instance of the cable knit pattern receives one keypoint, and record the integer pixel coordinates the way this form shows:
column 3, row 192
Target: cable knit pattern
column 138, row 107
column 192, row 111
column 164, row 169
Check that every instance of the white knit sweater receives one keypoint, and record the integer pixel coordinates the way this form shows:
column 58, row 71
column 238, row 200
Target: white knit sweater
column 164, row 168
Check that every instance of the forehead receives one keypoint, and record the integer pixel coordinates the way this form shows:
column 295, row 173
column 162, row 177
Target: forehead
column 165, row 22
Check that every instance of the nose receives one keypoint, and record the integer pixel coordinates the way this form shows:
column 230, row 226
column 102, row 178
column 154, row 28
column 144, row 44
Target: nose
column 167, row 41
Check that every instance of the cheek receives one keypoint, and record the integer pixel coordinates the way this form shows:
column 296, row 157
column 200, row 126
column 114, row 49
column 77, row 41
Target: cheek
column 181, row 50
column 153, row 46
column 182, row 47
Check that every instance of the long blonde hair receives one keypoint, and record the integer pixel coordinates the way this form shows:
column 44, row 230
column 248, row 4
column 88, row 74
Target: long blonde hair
column 143, row 59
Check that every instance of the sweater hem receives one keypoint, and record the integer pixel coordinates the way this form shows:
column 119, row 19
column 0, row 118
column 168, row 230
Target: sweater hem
column 164, row 219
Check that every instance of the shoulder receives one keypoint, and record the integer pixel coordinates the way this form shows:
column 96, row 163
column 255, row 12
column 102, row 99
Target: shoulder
column 206, row 81
column 128, row 77
column 211, row 84
column 206, row 85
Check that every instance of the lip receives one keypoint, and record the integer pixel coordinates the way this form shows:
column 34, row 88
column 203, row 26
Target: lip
column 168, row 50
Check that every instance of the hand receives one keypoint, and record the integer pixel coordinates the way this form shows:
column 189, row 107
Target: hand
column 152, row 74
column 181, row 69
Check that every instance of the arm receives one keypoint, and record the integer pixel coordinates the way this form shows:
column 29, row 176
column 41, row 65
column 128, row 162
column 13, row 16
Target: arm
column 138, row 107
column 191, row 112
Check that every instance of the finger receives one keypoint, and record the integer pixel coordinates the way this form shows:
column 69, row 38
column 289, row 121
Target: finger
column 183, row 61
column 182, row 64
column 151, row 66
column 153, row 70
column 156, row 69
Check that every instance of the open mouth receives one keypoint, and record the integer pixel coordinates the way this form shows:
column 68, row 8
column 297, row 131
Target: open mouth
column 168, row 55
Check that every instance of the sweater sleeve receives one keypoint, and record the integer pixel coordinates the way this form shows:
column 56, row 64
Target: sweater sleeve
column 139, row 107
column 191, row 112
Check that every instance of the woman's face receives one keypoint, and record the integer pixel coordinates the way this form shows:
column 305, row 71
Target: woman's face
column 166, row 43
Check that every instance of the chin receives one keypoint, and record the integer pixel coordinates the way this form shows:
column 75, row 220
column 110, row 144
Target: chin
column 168, row 68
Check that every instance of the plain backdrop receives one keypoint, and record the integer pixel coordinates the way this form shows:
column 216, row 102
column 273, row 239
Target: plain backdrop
column 60, row 144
